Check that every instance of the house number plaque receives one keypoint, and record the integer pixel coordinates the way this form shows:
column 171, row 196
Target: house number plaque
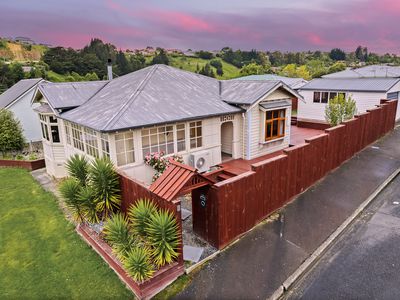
column 203, row 200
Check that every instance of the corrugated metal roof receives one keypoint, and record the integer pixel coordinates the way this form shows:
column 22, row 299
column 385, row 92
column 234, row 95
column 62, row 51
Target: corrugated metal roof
column 69, row 94
column 248, row 92
column 17, row 90
column 154, row 95
column 367, row 72
column 352, row 84
column 294, row 83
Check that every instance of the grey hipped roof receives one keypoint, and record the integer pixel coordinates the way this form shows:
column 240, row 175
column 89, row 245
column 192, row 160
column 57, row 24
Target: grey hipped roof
column 352, row 84
column 17, row 90
column 294, row 83
column 69, row 94
column 154, row 95
column 372, row 71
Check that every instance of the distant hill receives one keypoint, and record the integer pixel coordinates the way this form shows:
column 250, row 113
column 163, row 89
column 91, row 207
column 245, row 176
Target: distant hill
column 13, row 51
column 18, row 52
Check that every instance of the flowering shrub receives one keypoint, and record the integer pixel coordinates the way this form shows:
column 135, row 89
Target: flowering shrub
column 159, row 162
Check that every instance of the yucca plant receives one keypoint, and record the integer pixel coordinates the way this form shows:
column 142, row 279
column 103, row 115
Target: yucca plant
column 138, row 265
column 89, row 205
column 162, row 235
column 117, row 233
column 70, row 190
column 105, row 182
column 78, row 167
column 139, row 214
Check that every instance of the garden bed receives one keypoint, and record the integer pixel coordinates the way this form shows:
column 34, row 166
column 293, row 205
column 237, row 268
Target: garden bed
column 30, row 165
column 145, row 290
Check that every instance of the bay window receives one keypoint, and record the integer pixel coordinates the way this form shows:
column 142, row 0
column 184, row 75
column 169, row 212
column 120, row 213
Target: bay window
column 275, row 122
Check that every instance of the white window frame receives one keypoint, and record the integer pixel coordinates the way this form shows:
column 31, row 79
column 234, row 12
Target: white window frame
column 105, row 144
column 91, row 143
column 196, row 125
column 127, row 155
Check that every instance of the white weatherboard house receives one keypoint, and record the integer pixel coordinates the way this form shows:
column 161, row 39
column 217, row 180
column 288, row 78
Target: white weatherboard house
column 18, row 99
column 160, row 108
column 367, row 86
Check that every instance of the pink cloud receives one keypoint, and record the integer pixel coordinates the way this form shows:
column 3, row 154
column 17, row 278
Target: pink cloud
column 315, row 39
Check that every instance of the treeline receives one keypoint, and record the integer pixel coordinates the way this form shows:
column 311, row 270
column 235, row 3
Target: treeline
column 92, row 59
column 89, row 63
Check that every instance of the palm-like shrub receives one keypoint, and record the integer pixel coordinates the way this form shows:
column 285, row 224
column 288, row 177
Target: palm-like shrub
column 139, row 214
column 117, row 233
column 78, row 167
column 138, row 264
column 105, row 182
column 88, row 202
column 70, row 190
column 162, row 235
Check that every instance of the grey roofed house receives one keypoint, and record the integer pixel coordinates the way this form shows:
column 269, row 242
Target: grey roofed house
column 294, row 83
column 69, row 94
column 17, row 90
column 367, row 72
column 351, row 84
column 154, row 95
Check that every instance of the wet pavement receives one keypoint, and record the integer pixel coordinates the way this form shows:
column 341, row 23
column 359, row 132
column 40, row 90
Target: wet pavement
column 364, row 263
column 257, row 264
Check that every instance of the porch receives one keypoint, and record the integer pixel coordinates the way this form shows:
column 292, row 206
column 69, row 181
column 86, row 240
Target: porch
column 235, row 167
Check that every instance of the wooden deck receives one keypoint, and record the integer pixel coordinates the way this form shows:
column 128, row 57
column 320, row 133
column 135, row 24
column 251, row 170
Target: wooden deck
column 298, row 136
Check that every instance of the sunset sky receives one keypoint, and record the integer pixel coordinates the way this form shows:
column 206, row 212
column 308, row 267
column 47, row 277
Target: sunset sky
column 288, row 25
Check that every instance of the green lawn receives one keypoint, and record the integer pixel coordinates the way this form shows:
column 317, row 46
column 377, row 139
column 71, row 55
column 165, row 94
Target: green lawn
column 41, row 256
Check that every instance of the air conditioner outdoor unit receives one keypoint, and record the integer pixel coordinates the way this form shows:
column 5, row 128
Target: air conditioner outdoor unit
column 200, row 160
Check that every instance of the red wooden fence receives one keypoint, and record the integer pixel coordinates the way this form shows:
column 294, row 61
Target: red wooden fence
column 236, row 205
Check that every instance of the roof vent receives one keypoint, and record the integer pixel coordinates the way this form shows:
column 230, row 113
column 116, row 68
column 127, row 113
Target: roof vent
column 109, row 69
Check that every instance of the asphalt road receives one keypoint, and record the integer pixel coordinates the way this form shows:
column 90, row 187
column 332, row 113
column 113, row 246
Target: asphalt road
column 365, row 262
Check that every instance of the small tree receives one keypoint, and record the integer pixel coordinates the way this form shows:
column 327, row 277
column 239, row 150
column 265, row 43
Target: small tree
column 11, row 136
column 340, row 109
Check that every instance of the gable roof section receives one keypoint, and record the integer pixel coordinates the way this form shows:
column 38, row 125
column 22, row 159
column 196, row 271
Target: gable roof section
column 247, row 92
column 178, row 179
column 294, row 83
column 352, row 85
column 69, row 94
column 154, row 95
column 373, row 71
column 17, row 90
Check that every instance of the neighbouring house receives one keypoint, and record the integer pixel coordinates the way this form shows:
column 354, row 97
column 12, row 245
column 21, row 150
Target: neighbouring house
column 372, row 71
column 294, row 83
column 367, row 92
column 161, row 108
column 18, row 99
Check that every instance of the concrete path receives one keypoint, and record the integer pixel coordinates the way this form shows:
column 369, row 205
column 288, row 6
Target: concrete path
column 263, row 259
column 364, row 263
column 45, row 181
